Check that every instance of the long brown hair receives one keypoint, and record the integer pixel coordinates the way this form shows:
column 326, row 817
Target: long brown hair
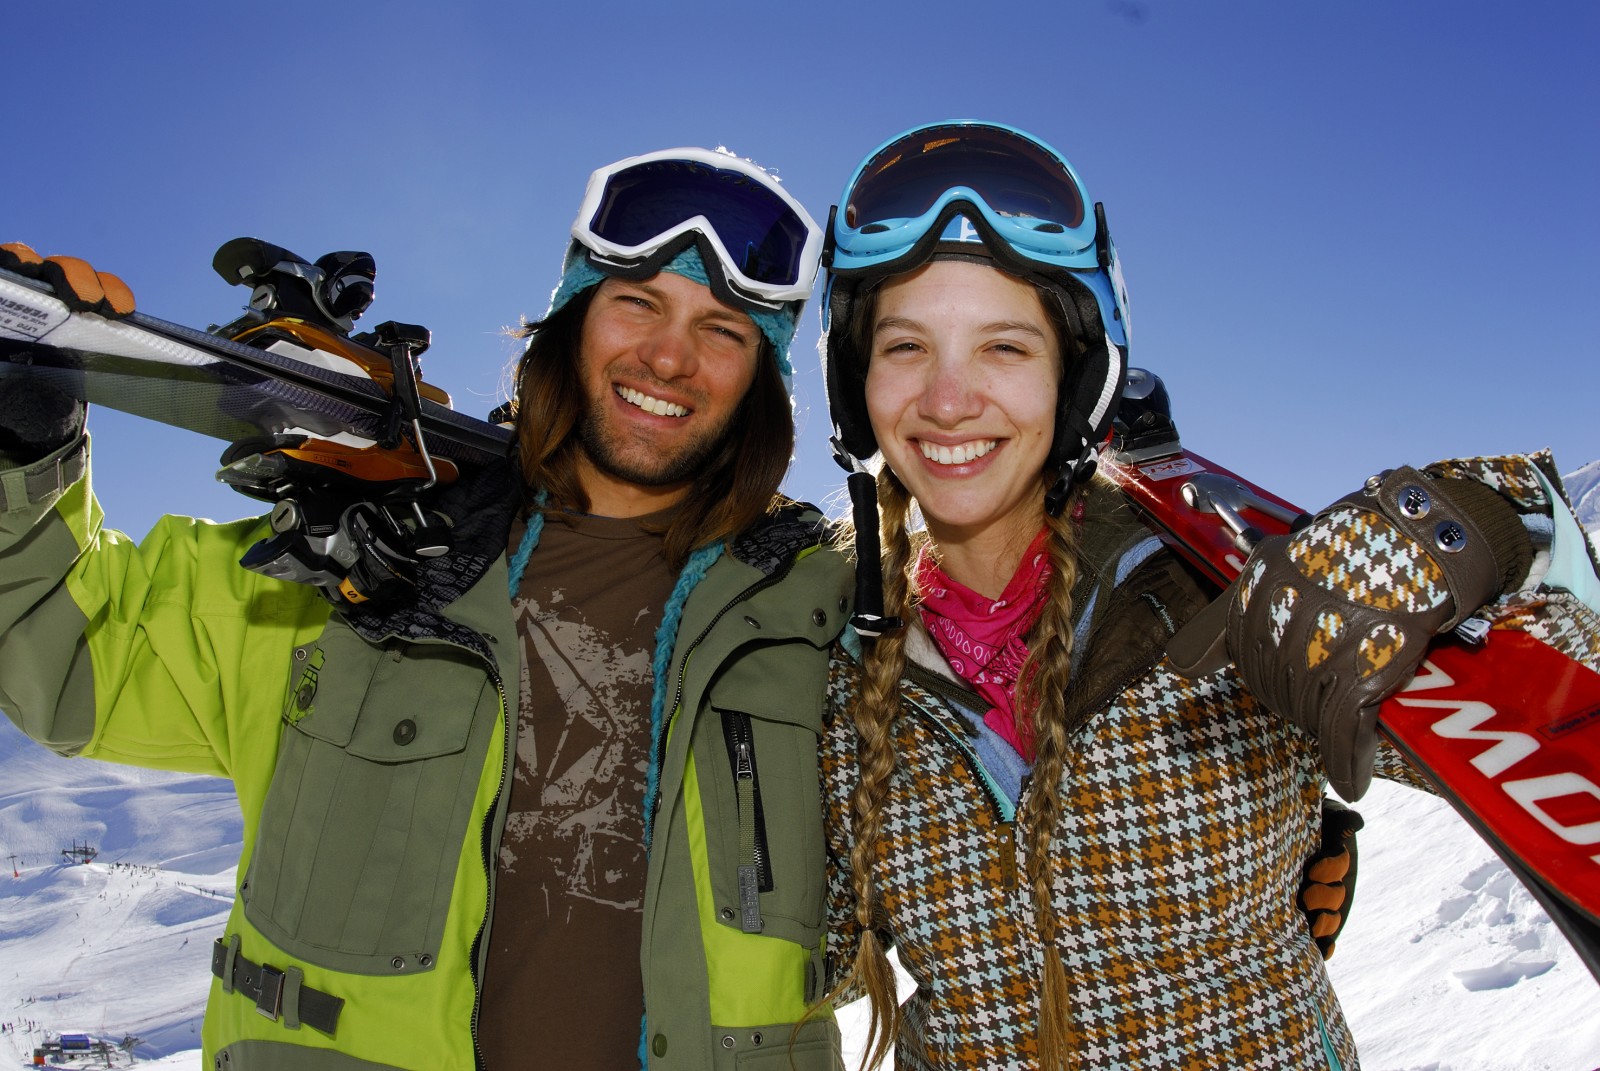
column 1041, row 713
column 738, row 484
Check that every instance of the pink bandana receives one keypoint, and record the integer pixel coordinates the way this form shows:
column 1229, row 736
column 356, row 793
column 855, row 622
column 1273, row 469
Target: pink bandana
column 982, row 639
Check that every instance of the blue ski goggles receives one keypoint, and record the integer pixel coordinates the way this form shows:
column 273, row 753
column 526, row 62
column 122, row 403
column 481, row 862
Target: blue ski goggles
column 758, row 243
column 981, row 183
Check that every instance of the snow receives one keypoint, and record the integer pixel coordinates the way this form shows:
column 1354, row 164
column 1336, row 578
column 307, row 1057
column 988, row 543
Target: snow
column 1447, row 963
column 1583, row 488
column 121, row 945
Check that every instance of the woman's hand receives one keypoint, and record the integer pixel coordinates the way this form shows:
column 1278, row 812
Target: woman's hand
column 1325, row 624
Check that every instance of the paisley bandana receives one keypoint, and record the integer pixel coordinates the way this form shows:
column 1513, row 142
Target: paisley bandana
column 983, row 638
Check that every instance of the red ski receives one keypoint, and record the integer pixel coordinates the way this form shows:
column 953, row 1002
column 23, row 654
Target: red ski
column 1506, row 728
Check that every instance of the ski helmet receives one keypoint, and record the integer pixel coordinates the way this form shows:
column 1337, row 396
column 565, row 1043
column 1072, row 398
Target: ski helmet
column 968, row 188
column 708, row 215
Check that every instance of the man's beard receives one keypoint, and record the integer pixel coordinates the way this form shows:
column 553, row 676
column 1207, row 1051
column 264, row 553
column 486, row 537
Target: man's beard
column 607, row 455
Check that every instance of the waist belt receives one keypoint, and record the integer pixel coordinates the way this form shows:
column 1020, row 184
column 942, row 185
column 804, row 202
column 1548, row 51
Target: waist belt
column 278, row 994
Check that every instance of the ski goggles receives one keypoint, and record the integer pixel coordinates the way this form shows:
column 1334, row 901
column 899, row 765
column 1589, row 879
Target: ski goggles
column 757, row 241
column 984, row 183
column 1021, row 187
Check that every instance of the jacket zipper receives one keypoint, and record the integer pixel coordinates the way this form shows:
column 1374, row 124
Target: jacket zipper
column 670, row 711
column 1008, row 827
column 990, row 789
column 754, row 867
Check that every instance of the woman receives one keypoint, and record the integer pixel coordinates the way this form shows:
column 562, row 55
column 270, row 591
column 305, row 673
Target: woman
column 1081, row 857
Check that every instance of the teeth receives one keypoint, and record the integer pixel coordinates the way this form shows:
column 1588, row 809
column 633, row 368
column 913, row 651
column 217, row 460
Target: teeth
column 957, row 455
column 651, row 404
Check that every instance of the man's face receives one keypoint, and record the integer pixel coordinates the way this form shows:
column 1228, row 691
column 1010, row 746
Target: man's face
column 664, row 367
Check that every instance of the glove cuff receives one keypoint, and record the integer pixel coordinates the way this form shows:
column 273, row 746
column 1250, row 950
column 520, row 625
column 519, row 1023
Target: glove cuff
column 1500, row 523
column 1428, row 512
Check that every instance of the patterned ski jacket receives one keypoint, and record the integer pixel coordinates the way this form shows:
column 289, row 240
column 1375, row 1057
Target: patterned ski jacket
column 368, row 753
column 1188, row 811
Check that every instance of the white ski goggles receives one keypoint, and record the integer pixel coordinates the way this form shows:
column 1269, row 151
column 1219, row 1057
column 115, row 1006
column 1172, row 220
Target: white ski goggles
column 757, row 242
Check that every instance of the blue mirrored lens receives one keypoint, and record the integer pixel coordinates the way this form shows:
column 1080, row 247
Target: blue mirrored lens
column 1014, row 175
column 758, row 229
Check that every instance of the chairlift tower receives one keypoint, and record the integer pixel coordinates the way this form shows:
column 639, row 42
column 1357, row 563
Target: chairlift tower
column 79, row 854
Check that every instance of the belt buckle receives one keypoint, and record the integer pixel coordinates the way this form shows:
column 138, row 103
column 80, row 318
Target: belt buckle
column 269, row 1001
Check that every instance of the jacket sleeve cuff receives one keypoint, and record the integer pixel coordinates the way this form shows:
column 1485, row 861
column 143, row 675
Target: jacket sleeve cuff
column 24, row 487
column 1571, row 566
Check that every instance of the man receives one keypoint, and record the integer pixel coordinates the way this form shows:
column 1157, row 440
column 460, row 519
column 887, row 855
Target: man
column 483, row 832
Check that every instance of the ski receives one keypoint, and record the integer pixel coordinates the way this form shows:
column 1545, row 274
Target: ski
column 216, row 386
column 336, row 430
column 1506, row 728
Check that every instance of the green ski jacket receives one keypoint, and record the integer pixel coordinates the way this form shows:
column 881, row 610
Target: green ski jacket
column 369, row 752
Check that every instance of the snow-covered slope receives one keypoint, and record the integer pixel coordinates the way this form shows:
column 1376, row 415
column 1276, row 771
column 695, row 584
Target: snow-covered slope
column 122, row 945
column 1583, row 487
column 1447, row 964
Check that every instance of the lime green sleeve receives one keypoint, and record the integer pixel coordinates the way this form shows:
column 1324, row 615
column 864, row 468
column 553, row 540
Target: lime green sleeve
column 165, row 653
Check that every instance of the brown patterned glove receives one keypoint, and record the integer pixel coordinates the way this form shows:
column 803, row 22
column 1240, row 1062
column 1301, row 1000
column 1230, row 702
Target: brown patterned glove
column 1328, row 881
column 1325, row 624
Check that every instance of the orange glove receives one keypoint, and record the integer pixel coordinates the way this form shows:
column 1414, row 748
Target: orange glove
column 1328, row 883
column 75, row 282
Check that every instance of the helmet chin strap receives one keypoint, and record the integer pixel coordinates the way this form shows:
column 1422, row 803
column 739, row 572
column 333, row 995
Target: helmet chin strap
column 868, row 618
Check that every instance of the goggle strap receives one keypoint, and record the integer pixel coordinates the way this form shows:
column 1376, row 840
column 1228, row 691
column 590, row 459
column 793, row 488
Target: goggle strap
column 996, row 246
column 716, row 273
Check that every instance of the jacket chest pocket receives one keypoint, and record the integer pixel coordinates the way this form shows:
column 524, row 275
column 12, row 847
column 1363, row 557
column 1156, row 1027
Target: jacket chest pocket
column 370, row 802
column 756, row 757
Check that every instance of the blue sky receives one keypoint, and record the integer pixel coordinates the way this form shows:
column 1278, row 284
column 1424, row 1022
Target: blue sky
column 1356, row 235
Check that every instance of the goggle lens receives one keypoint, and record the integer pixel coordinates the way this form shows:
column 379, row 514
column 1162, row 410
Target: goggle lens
column 760, row 231
column 1014, row 176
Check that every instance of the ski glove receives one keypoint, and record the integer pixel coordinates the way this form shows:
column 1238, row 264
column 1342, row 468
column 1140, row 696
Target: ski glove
column 1328, row 880
column 37, row 418
column 74, row 281
column 1325, row 624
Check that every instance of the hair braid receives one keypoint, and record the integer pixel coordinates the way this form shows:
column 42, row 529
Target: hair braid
column 1041, row 697
column 874, row 713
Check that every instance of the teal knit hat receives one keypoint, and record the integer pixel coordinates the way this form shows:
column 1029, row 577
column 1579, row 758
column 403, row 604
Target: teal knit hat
column 578, row 275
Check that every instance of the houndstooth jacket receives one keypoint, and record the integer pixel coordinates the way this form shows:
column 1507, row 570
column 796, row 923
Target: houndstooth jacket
column 1188, row 811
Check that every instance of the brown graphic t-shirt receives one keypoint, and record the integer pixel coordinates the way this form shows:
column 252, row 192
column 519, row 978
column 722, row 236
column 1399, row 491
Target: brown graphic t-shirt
column 562, row 988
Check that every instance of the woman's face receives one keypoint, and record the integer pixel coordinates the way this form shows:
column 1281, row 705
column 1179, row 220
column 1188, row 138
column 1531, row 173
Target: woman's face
column 961, row 391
